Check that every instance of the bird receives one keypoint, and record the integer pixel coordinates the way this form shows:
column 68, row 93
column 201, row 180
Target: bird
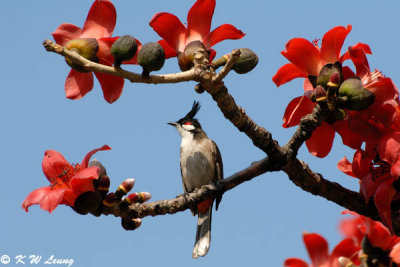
column 200, row 163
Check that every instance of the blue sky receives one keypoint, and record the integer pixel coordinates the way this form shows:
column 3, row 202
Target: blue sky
column 258, row 223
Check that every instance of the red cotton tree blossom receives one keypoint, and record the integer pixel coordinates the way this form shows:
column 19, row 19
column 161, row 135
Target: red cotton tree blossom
column 99, row 24
column 67, row 181
column 176, row 36
column 317, row 248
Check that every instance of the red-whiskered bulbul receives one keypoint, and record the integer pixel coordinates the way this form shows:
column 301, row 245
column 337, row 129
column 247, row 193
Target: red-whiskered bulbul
column 201, row 163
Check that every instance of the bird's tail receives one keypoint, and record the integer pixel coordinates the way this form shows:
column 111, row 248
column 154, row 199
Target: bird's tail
column 203, row 233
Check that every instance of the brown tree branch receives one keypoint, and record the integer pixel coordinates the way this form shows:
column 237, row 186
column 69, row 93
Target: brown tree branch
column 186, row 201
column 279, row 158
column 190, row 75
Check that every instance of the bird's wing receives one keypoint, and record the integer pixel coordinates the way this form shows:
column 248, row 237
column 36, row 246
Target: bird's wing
column 219, row 170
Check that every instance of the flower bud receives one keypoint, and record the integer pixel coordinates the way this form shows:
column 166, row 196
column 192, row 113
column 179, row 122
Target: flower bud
column 151, row 57
column 109, row 200
column 354, row 96
column 246, row 62
column 327, row 71
column 131, row 224
column 124, row 48
column 85, row 47
column 125, row 187
column 87, row 202
column 137, row 198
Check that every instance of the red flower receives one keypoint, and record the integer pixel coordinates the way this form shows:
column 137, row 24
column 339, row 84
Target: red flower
column 176, row 36
column 383, row 115
column 307, row 59
column 68, row 181
column 99, row 24
column 358, row 226
column 377, row 170
column 317, row 248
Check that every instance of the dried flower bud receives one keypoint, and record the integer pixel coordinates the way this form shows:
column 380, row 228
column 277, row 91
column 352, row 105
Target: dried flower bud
column 246, row 62
column 151, row 57
column 109, row 200
column 131, row 224
column 87, row 202
column 124, row 48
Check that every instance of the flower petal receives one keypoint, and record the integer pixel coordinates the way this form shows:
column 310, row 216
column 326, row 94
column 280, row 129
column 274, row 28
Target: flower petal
column 295, row 262
column 346, row 248
column 332, row 43
column 34, row 197
column 86, row 159
column 168, row 50
column 83, row 180
column 317, row 248
column 286, row 73
column 367, row 187
column 379, row 235
column 383, row 199
column 389, row 147
column 360, row 60
column 78, row 84
column 54, row 164
column 304, row 55
column 320, row 143
column 52, row 199
column 199, row 20
column 345, row 166
column 100, row 21
column 346, row 55
column 361, row 163
column 223, row 32
column 111, row 85
column 350, row 138
column 104, row 51
column 296, row 109
column 170, row 28
column 395, row 253
column 66, row 32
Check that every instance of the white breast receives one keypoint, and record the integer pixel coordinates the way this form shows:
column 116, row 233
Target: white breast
column 196, row 162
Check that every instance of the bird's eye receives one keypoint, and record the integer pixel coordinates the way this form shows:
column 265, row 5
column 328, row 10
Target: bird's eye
column 187, row 123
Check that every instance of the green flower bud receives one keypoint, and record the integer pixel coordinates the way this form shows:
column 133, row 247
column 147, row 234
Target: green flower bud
column 86, row 47
column 151, row 57
column 354, row 96
column 246, row 62
column 124, row 48
column 326, row 73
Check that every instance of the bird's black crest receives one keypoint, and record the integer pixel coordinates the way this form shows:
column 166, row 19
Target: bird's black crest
column 193, row 111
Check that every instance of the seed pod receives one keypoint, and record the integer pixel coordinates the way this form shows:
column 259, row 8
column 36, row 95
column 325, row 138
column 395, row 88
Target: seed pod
column 354, row 96
column 185, row 59
column 124, row 48
column 86, row 47
column 151, row 57
column 246, row 62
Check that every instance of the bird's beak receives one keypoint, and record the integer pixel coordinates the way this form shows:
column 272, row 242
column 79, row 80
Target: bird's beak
column 172, row 123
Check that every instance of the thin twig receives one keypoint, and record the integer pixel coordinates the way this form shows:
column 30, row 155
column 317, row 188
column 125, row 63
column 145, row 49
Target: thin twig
column 227, row 67
column 190, row 75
